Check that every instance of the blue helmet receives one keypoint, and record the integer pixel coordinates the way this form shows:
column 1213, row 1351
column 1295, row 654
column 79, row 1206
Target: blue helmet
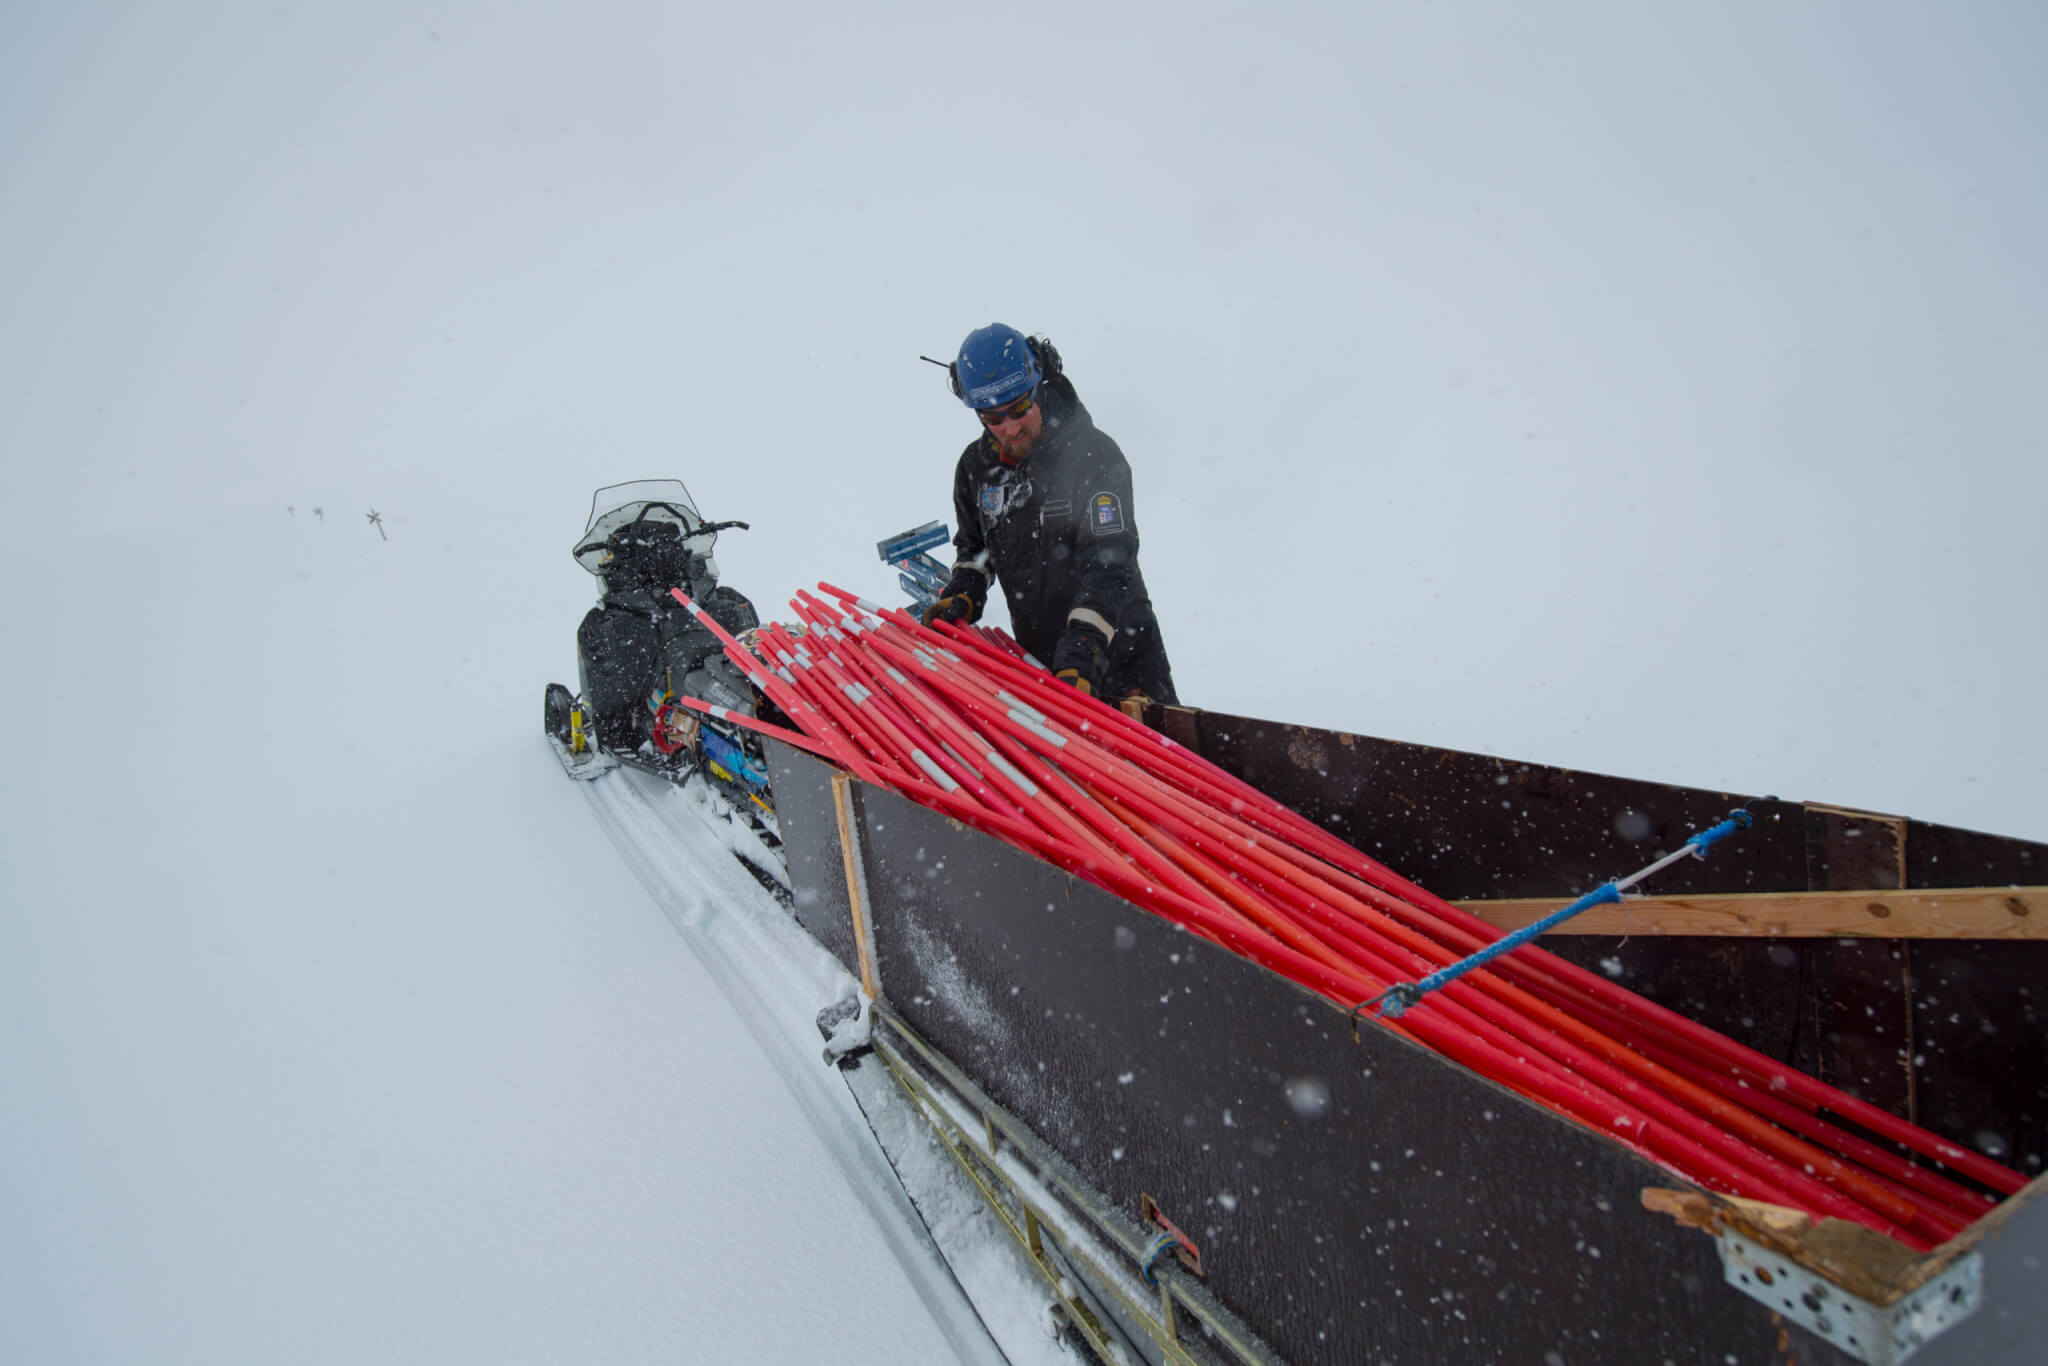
column 997, row 365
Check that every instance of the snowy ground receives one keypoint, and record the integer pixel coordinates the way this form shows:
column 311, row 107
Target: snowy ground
column 1645, row 394
column 337, row 1030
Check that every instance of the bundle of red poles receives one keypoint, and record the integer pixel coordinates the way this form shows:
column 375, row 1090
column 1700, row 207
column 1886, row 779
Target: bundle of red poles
column 961, row 720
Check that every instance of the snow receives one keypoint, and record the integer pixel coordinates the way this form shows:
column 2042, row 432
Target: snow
column 765, row 965
column 1643, row 393
column 338, row 1031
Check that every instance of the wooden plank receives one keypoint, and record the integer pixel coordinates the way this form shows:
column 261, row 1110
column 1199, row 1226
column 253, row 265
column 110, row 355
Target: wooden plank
column 1939, row 913
column 856, row 882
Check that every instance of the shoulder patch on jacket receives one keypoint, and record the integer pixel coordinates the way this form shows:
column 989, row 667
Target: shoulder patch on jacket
column 1105, row 514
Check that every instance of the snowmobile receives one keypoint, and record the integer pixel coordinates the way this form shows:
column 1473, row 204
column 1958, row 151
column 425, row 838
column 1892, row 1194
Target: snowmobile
column 639, row 651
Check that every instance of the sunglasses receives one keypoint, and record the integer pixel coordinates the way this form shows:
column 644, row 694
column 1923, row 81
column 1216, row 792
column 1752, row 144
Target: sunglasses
column 996, row 417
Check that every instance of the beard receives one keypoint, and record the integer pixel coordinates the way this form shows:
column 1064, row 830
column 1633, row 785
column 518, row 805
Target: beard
column 1016, row 445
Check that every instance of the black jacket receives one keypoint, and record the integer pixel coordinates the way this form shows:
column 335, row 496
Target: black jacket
column 1059, row 533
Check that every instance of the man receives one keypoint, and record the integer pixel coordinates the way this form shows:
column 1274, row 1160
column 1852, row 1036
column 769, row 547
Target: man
column 1043, row 501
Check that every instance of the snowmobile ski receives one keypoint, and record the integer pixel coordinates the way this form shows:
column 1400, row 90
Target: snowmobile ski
column 567, row 723
column 710, row 765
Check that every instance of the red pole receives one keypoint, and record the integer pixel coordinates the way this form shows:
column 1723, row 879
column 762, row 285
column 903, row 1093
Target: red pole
column 911, row 712
column 1892, row 1209
column 784, row 696
column 1296, row 891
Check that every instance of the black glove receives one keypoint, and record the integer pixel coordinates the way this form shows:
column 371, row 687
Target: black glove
column 1082, row 658
column 959, row 601
column 958, row 607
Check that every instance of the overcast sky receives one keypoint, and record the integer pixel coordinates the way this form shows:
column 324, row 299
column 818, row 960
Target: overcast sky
column 1648, row 389
column 1639, row 388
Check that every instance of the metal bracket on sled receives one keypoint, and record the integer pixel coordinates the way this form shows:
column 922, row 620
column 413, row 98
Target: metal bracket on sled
column 921, row 576
column 1866, row 1294
column 1879, row 1334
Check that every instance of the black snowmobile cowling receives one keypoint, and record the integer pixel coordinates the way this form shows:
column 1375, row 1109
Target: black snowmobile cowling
column 643, row 539
column 646, row 537
column 638, row 653
column 1351, row 1196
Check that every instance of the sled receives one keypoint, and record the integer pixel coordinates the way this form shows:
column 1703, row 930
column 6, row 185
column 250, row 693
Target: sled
column 1342, row 1194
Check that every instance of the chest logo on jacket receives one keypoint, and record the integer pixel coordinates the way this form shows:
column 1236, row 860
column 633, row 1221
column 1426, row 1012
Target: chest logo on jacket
column 998, row 499
column 1105, row 514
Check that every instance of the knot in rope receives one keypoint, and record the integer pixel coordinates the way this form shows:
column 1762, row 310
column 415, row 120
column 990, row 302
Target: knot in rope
column 1738, row 819
column 1392, row 1003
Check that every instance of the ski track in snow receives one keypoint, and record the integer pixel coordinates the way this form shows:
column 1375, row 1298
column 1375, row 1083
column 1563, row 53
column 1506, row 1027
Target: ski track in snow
column 777, row 979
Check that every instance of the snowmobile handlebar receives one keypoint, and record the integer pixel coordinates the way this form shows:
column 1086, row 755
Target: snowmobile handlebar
column 708, row 528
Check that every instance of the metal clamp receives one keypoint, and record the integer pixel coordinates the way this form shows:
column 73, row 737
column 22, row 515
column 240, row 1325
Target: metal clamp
column 1878, row 1334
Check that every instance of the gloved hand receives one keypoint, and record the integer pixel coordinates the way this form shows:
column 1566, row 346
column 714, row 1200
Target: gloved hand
column 1082, row 658
column 958, row 601
column 955, row 607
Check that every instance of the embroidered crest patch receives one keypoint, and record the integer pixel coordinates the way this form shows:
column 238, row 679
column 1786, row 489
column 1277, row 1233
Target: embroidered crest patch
column 1105, row 514
column 996, row 500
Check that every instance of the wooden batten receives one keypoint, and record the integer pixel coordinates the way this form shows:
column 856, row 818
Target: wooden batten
column 1938, row 913
column 1860, row 1260
column 856, row 882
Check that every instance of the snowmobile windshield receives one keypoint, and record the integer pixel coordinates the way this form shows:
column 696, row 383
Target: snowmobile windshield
column 642, row 500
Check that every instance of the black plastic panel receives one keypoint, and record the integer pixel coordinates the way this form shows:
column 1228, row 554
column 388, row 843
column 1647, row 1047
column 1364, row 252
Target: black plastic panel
column 810, row 839
column 1469, row 826
column 1353, row 1201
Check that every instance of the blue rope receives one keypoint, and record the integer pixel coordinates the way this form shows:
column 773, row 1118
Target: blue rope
column 1398, row 999
column 1738, row 819
column 1160, row 1245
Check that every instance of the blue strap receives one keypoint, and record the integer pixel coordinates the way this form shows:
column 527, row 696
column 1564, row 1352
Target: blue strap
column 1398, row 999
column 1160, row 1245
